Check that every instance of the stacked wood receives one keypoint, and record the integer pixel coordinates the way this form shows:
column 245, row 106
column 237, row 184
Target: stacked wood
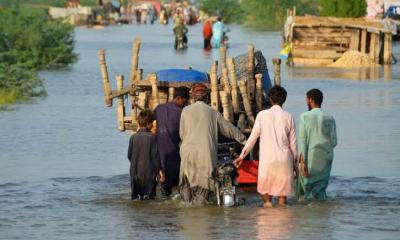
column 319, row 41
column 237, row 92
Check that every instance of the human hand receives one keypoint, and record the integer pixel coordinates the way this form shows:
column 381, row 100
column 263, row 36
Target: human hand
column 303, row 166
column 237, row 162
column 162, row 176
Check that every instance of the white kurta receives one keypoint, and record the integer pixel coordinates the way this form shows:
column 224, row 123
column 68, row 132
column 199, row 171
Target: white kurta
column 278, row 150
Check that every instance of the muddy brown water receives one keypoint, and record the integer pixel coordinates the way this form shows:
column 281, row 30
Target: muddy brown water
column 63, row 166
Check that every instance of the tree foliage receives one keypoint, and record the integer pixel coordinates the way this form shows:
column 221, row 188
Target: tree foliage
column 343, row 8
column 229, row 10
column 30, row 42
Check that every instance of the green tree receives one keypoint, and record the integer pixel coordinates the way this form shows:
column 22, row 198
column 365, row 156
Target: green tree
column 343, row 8
column 229, row 10
column 30, row 42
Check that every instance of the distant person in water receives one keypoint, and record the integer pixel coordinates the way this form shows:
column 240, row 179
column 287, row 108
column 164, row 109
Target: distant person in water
column 218, row 33
column 144, row 158
column 207, row 34
column 317, row 139
column 168, row 118
column 278, row 149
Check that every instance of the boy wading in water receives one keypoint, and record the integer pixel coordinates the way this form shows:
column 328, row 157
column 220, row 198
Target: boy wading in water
column 144, row 158
column 278, row 149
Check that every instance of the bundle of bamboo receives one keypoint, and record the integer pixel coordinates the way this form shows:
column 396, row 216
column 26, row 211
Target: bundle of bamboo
column 239, row 100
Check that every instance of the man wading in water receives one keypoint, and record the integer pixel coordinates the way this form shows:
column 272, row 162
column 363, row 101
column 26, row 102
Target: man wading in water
column 168, row 117
column 317, row 138
column 199, row 129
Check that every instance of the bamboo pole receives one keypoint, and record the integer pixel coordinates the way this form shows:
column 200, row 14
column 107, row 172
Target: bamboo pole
column 234, row 87
column 250, row 71
column 135, row 59
column 104, row 77
column 246, row 103
column 120, row 107
column 154, row 90
column 277, row 71
column 171, row 92
column 214, row 86
column 387, row 48
column 227, row 109
column 259, row 92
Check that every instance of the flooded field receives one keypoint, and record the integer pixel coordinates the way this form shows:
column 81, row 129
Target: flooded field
column 63, row 166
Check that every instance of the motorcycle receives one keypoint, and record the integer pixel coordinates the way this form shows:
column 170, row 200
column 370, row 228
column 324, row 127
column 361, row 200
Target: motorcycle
column 180, row 43
column 225, row 176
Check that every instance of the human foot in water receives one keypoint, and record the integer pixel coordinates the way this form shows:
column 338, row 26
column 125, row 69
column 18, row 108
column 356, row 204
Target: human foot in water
column 268, row 205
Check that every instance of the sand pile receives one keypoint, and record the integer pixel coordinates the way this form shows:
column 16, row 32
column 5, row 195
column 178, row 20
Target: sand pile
column 354, row 59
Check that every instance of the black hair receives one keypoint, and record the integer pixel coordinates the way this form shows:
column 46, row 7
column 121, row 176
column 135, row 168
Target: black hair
column 277, row 94
column 316, row 95
column 182, row 92
column 219, row 18
column 145, row 118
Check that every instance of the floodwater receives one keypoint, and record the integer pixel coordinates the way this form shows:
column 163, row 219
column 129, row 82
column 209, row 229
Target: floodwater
column 63, row 166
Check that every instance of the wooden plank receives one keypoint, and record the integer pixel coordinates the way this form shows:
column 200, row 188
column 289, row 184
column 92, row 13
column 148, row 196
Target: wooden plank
column 372, row 46
column 387, row 46
column 315, row 53
column 363, row 41
column 355, row 41
column 377, row 48
column 312, row 61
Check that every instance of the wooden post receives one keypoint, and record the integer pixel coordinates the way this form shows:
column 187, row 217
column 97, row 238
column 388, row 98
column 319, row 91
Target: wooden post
column 225, row 80
column 241, row 122
column 277, row 71
column 227, row 109
column 135, row 59
column 387, row 46
column 171, row 92
column 250, row 72
column 373, row 46
column 259, row 93
column 234, row 87
column 104, row 77
column 142, row 100
column 378, row 48
column 121, row 107
column 133, row 110
column 154, row 90
column 214, row 86
column 222, row 56
column 355, row 40
column 364, row 41
column 246, row 103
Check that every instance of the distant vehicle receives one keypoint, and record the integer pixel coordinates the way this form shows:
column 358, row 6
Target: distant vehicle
column 393, row 12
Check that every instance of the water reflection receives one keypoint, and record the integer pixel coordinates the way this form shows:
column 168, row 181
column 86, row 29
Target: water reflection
column 275, row 223
column 361, row 74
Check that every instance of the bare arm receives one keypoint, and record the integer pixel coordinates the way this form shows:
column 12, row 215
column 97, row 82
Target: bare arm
column 333, row 134
column 293, row 141
column 229, row 130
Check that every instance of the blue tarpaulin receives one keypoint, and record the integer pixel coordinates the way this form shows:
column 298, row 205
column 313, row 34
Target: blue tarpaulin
column 181, row 75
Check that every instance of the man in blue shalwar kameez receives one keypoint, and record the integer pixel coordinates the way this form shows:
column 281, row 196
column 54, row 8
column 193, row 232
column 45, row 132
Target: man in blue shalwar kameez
column 168, row 117
column 317, row 139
